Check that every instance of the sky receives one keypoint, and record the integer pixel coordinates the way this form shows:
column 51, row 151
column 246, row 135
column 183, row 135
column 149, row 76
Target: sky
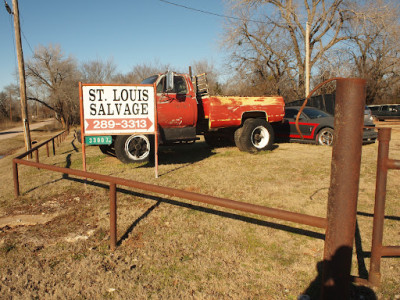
column 130, row 32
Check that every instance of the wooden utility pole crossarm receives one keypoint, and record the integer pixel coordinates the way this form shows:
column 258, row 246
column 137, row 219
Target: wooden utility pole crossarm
column 21, row 72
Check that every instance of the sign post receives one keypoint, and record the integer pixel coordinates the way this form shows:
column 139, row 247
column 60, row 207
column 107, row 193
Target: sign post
column 111, row 109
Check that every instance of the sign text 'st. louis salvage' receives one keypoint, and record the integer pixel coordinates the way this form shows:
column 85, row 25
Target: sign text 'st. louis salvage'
column 129, row 101
column 110, row 109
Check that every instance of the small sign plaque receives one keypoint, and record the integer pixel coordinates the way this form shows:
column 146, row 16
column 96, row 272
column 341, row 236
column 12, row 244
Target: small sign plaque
column 98, row 140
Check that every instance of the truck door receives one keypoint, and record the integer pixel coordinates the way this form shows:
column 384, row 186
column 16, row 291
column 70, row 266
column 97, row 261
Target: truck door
column 178, row 108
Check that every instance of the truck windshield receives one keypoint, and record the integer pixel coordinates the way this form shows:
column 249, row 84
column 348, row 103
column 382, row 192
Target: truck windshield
column 150, row 80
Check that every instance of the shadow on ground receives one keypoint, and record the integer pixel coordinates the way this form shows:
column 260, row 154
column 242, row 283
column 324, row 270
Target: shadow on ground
column 336, row 282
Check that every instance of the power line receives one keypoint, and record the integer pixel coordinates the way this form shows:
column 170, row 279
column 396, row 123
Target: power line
column 26, row 40
column 10, row 12
column 212, row 13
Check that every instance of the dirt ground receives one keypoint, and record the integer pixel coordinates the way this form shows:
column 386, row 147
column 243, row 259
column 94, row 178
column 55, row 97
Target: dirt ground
column 54, row 238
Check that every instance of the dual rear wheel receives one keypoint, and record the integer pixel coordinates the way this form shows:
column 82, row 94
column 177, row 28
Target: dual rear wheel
column 255, row 135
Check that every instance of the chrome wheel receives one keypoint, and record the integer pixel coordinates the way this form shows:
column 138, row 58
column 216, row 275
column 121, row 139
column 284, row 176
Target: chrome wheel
column 325, row 137
column 133, row 148
column 260, row 137
column 137, row 147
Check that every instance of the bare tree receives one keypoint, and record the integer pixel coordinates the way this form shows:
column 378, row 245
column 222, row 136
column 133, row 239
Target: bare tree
column 140, row 72
column 269, row 38
column 4, row 113
column 246, row 83
column 9, row 108
column 98, row 71
column 208, row 67
column 59, row 75
column 375, row 33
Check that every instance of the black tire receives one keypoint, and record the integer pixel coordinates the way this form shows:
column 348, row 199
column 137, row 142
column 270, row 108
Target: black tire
column 325, row 137
column 104, row 148
column 255, row 135
column 238, row 134
column 107, row 149
column 134, row 148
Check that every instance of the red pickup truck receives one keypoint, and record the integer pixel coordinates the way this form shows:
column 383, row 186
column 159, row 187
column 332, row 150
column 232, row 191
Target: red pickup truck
column 186, row 110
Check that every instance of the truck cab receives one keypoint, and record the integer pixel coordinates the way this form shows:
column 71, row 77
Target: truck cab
column 176, row 106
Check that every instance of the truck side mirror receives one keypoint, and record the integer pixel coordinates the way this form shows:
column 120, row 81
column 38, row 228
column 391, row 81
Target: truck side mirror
column 169, row 87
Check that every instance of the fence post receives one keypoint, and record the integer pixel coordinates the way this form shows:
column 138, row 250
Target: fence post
column 379, row 210
column 113, row 216
column 16, row 179
column 343, row 191
column 54, row 147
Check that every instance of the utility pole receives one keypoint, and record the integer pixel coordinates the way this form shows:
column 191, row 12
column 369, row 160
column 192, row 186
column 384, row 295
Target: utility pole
column 307, row 59
column 10, row 106
column 21, row 72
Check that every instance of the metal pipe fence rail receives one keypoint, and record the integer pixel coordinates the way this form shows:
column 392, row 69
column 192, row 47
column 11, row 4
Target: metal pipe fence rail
column 55, row 140
column 377, row 251
column 114, row 181
column 383, row 165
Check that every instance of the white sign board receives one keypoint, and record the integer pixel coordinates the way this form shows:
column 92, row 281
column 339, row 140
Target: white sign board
column 118, row 109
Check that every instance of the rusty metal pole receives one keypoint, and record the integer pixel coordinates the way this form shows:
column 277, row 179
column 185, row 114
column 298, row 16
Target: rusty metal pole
column 379, row 210
column 37, row 156
column 113, row 216
column 343, row 191
column 54, row 147
column 16, row 179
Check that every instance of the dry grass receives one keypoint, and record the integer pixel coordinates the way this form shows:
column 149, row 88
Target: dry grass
column 10, row 146
column 6, row 124
column 172, row 248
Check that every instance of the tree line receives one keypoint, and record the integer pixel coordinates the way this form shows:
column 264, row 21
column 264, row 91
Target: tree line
column 347, row 39
column 265, row 46
column 52, row 82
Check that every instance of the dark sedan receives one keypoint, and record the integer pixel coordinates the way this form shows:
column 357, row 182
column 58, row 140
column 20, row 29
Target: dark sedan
column 315, row 125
